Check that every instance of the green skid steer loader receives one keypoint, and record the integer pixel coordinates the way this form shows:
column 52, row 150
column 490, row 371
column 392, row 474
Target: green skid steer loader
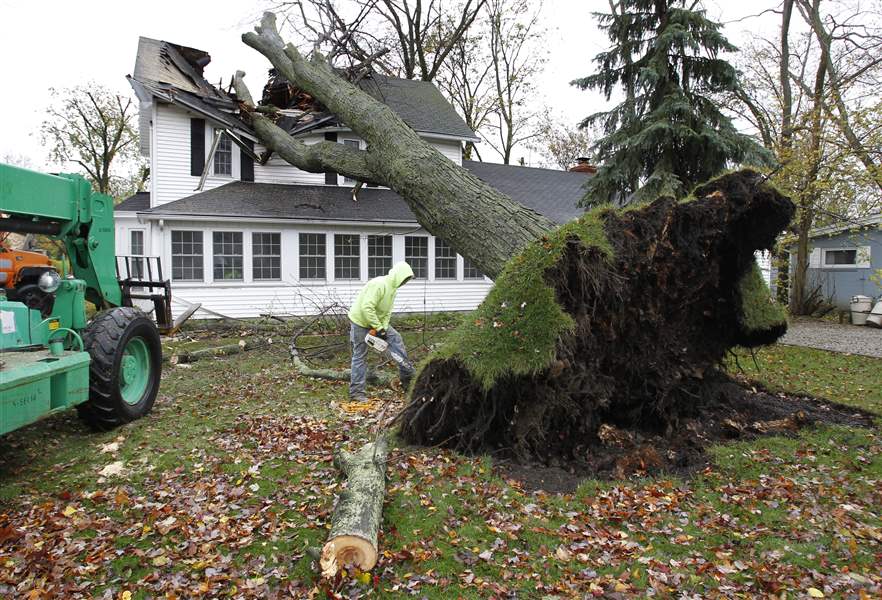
column 51, row 356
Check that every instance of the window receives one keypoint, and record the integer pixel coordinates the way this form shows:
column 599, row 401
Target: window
column 840, row 257
column 379, row 255
column 227, row 255
column 223, row 156
column 266, row 256
column 416, row 253
column 312, row 255
column 354, row 144
column 470, row 271
column 186, row 255
column 347, row 256
column 445, row 260
column 137, row 250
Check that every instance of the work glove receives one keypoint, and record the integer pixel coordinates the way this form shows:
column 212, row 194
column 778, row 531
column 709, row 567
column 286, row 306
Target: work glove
column 381, row 334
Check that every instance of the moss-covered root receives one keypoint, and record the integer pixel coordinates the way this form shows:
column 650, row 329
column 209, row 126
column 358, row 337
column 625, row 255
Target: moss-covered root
column 619, row 317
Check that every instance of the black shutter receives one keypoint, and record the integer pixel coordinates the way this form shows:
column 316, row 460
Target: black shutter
column 246, row 162
column 197, row 147
column 331, row 176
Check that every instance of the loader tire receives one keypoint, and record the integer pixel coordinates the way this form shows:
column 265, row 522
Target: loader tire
column 125, row 369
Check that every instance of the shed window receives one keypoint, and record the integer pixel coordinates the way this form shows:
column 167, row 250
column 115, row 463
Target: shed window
column 347, row 256
column 416, row 254
column 227, row 255
column 186, row 255
column 312, row 256
column 379, row 255
column 840, row 257
column 223, row 156
column 266, row 256
column 445, row 260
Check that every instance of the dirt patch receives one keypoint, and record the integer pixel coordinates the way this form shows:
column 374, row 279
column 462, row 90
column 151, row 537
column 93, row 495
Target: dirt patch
column 739, row 414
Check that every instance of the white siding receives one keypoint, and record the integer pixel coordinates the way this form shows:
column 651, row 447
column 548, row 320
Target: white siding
column 450, row 149
column 277, row 170
column 171, row 157
column 250, row 298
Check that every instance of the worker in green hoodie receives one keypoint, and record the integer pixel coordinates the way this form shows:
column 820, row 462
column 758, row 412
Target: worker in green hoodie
column 370, row 313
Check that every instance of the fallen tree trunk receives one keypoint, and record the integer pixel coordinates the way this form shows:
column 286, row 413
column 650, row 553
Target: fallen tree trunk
column 620, row 317
column 355, row 523
column 191, row 356
column 338, row 374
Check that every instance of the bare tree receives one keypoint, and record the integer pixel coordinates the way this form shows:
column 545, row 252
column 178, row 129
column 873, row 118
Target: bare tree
column 94, row 128
column 559, row 144
column 407, row 39
column 516, row 57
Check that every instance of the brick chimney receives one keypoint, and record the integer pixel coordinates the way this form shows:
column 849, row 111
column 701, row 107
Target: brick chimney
column 583, row 165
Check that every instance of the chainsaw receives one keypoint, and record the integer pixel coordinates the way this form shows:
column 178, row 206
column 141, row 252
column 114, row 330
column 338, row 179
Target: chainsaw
column 381, row 346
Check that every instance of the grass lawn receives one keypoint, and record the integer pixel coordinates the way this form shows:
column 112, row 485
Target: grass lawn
column 219, row 492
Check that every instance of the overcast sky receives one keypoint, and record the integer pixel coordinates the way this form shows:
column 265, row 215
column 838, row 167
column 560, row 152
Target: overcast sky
column 58, row 44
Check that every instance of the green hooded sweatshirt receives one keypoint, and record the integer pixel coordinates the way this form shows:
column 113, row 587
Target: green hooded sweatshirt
column 373, row 305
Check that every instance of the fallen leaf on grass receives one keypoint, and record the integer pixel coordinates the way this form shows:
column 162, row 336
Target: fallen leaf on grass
column 113, row 469
column 815, row 592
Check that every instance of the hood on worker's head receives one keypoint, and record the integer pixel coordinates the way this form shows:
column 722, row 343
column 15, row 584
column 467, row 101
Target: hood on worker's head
column 400, row 272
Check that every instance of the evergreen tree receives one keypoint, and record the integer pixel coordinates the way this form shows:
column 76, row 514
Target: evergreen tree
column 668, row 134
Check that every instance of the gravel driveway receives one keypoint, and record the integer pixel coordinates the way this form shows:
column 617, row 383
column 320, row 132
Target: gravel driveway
column 837, row 338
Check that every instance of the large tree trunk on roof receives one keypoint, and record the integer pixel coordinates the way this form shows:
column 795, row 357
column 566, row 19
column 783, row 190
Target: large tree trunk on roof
column 481, row 223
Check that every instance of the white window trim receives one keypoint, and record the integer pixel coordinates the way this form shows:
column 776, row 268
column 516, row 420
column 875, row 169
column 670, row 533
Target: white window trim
column 248, row 250
column 236, row 167
column 430, row 255
column 851, row 266
column 245, row 276
column 206, row 269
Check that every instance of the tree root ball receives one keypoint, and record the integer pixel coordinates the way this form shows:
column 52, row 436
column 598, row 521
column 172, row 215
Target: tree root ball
column 649, row 310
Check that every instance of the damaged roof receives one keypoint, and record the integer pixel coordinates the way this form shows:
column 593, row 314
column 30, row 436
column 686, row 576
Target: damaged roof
column 174, row 73
column 555, row 194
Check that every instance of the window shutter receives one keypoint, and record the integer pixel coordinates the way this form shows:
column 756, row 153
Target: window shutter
column 197, row 147
column 863, row 257
column 331, row 176
column 815, row 259
column 246, row 163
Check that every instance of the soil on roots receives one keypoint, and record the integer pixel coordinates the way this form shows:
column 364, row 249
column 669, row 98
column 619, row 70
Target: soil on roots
column 652, row 325
column 740, row 413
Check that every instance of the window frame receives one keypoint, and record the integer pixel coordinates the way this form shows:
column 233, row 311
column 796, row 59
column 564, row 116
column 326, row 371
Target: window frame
column 466, row 264
column 215, row 255
column 224, row 138
column 137, row 258
column 355, row 259
column 853, row 265
column 376, row 257
column 426, row 257
column 323, row 263
column 446, row 258
column 200, row 264
column 275, row 259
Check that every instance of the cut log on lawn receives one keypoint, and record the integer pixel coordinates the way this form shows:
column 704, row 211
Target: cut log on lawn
column 185, row 357
column 338, row 374
column 355, row 523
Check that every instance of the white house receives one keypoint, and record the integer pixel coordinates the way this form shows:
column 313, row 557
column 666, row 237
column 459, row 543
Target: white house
column 245, row 237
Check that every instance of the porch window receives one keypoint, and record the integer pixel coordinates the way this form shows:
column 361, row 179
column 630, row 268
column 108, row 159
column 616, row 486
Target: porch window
column 347, row 256
column 227, row 255
column 266, row 256
column 312, row 256
column 445, row 260
column 223, row 156
column 416, row 254
column 379, row 255
column 186, row 253
column 470, row 271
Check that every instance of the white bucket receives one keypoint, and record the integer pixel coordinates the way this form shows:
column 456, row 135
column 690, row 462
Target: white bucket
column 875, row 318
column 860, row 309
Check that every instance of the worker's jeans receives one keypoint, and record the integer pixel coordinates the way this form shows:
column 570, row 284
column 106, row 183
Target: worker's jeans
column 359, row 358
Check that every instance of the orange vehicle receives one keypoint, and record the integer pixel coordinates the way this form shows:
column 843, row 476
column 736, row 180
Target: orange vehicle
column 20, row 271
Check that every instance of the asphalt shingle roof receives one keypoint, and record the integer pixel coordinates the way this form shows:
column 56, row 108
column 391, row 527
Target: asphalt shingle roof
column 555, row 194
column 138, row 202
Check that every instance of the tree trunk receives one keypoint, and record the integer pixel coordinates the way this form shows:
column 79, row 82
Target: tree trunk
column 446, row 199
column 356, row 519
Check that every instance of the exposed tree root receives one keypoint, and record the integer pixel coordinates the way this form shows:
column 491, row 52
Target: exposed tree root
column 651, row 326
